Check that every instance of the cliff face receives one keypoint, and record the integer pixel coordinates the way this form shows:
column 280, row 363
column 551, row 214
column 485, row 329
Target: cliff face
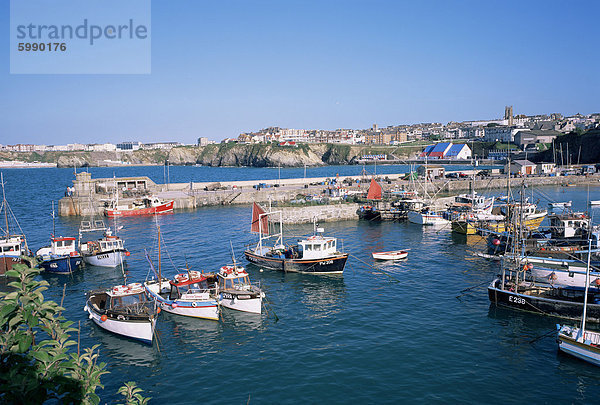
column 259, row 155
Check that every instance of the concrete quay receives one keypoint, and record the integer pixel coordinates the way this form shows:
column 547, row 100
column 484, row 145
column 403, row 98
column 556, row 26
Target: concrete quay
column 194, row 195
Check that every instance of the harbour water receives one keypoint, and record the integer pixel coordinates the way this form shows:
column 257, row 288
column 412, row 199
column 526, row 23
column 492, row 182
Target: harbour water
column 388, row 333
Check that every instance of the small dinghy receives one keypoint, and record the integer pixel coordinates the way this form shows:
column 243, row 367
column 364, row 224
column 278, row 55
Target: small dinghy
column 392, row 255
column 566, row 204
column 124, row 310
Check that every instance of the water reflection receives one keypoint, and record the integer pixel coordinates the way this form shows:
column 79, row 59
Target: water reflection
column 129, row 352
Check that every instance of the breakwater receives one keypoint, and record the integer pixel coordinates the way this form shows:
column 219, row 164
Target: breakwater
column 90, row 195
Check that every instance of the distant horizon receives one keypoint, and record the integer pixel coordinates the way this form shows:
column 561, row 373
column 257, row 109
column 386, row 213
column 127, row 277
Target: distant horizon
column 219, row 70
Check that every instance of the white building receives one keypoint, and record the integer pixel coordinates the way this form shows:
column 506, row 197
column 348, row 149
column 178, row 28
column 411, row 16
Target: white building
column 500, row 133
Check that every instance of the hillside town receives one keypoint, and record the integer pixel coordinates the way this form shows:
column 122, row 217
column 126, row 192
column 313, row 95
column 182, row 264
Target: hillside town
column 524, row 131
column 521, row 129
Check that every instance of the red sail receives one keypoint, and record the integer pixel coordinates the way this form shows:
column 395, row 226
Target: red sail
column 374, row 191
column 263, row 225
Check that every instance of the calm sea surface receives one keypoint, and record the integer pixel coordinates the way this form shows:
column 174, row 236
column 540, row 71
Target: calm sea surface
column 386, row 334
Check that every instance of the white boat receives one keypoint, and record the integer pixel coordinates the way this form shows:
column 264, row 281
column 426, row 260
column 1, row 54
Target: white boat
column 187, row 294
column 124, row 310
column 427, row 217
column 191, row 293
column 236, row 291
column 595, row 202
column 566, row 204
column 107, row 251
column 391, row 255
column 577, row 341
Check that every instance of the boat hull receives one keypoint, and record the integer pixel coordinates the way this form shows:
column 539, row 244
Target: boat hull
column 205, row 309
column 390, row 255
column 62, row 265
column 426, row 219
column 107, row 259
column 562, row 308
column 160, row 209
column 584, row 350
column 7, row 262
column 331, row 265
column 244, row 301
column 141, row 330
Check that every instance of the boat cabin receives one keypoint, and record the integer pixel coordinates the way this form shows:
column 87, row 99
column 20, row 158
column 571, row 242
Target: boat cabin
column 122, row 297
column 234, row 278
column 317, row 247
column 191, row 287
column 568, row 225
column 62, row 246
column 474, row 201
column 11, row 246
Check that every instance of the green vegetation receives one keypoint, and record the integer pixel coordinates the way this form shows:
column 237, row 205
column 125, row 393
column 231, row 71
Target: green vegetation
column 36, row 362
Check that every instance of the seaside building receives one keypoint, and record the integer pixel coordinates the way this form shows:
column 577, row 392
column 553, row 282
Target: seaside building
column 500, row 133
column 521, row 167
column 128, row 146
column 524, row 138
column 446, row 150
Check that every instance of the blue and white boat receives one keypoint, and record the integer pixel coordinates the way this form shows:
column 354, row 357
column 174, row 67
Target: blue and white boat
column 60, row 257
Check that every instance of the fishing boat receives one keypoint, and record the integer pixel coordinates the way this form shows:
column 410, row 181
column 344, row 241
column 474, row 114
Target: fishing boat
column 149, row 205
column 13, row 245
column 391, row 255
column 60, row 257
column 370, row 212
column 577, row 341
column 518, row 292
column 428, row 217
column 124, row 310
column 106, row 251
column 566, row 204
column 236, row 291
column 190, row 293
column 317, row 254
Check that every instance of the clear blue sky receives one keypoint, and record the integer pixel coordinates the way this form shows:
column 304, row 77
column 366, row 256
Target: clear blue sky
column 222, row 68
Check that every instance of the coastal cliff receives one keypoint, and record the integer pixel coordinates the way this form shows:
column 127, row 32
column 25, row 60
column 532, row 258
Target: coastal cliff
column 230, row 154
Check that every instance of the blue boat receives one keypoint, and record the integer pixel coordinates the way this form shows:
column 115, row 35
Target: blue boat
column 60, row 257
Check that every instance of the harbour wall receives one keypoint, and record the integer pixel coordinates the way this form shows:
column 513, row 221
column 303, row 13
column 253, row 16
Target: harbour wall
column 320, row 213
column 90, row 195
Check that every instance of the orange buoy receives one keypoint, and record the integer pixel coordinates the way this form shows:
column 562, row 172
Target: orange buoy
column 103, row 318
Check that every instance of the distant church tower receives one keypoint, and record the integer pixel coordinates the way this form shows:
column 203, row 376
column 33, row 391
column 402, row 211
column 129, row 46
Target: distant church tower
column 508, row 114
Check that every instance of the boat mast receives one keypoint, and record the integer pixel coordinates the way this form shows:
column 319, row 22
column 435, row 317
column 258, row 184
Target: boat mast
column 4, row 205
column 159, row 272
column 581, row 335
column 53, row 221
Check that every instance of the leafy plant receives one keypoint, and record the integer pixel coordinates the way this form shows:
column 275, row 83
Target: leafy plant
column 132, row 394
column 36, row 363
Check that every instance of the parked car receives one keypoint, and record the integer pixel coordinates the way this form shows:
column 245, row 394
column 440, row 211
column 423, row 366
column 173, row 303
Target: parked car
column 452, row 176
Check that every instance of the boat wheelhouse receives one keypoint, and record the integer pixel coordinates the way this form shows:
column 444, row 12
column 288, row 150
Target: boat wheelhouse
column 60, row 257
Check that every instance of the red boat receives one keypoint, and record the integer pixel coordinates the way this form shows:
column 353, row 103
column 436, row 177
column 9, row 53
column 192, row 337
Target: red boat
column 145, row 206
